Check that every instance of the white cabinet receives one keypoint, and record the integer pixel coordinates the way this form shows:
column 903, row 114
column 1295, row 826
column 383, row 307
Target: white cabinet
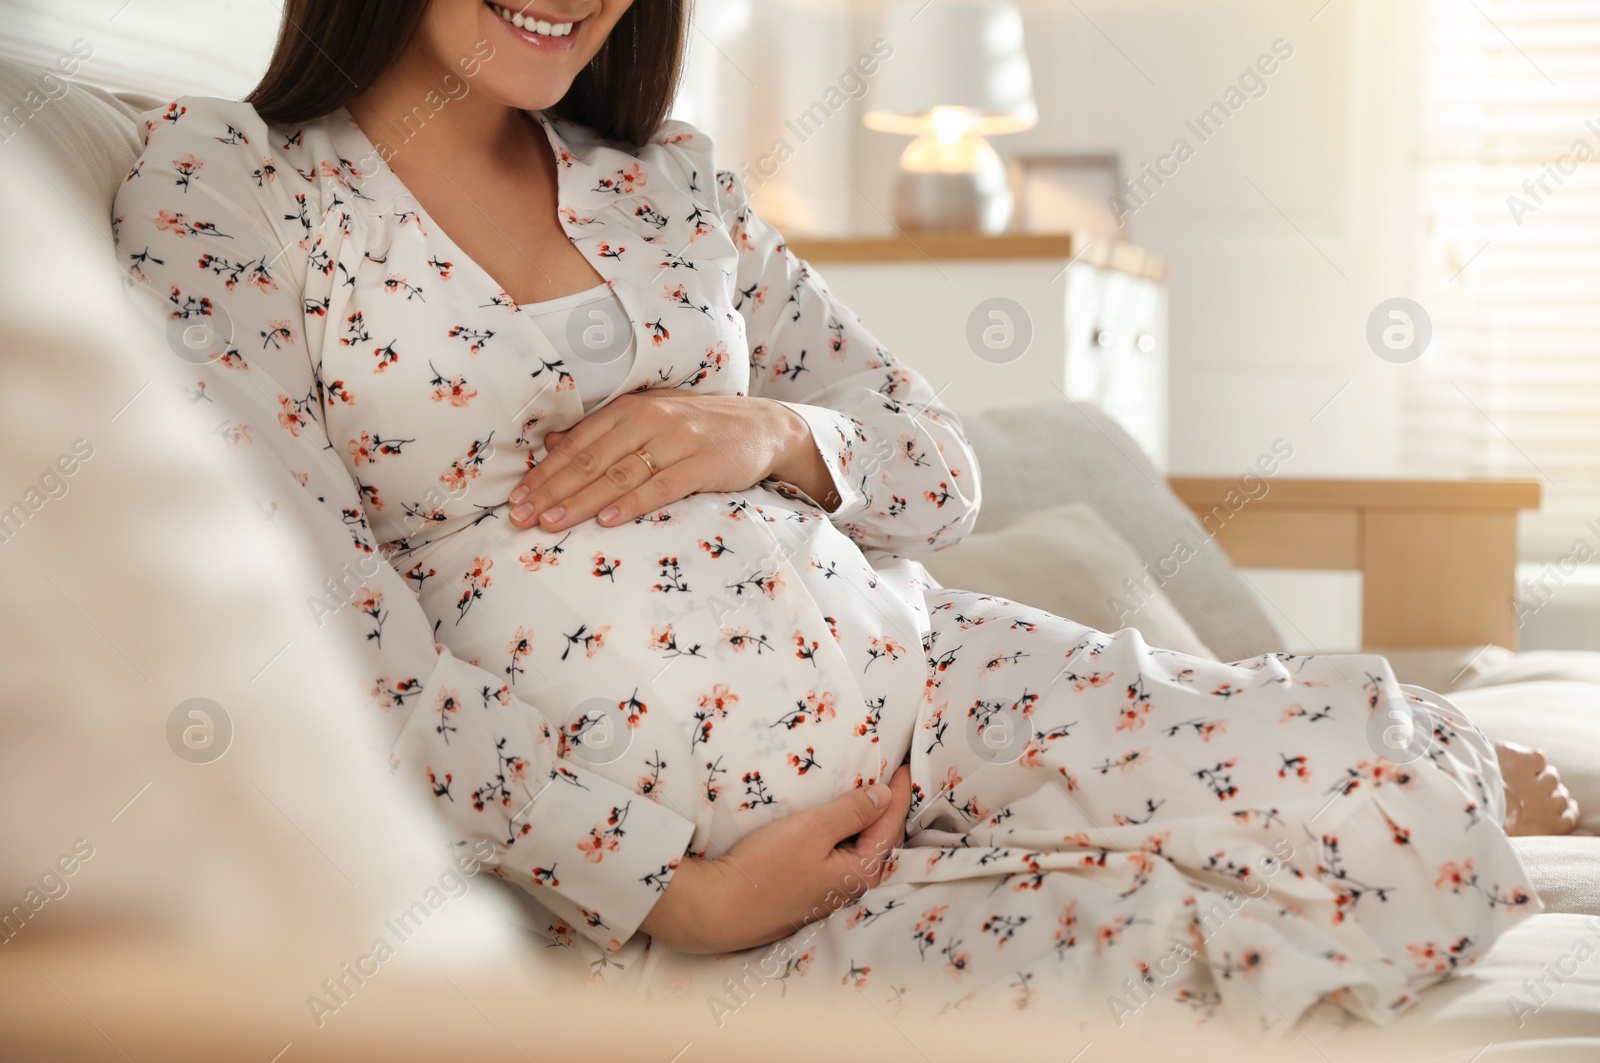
column 1116, row 354
column 1094, row 318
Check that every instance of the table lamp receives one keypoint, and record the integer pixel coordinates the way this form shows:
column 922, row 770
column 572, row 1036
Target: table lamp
column 959, row 71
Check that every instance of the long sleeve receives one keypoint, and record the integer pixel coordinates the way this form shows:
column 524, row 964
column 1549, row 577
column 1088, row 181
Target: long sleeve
column 221, row 223
column 906, row 478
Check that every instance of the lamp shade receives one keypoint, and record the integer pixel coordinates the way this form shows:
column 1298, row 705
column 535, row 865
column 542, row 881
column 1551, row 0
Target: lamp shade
column 954, row 54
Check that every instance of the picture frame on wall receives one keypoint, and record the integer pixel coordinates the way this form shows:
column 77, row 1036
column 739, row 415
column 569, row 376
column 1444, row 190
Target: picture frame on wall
column 1069, row 192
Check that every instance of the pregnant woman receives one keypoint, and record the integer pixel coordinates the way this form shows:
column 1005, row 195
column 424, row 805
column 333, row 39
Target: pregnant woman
column 626, row 501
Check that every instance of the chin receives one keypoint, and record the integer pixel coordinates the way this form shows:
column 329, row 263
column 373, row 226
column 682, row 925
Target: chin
column 538, row 50
column 525, row 94
column 525, row 55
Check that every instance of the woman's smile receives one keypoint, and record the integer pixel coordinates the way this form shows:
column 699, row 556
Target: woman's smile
column 540, row 31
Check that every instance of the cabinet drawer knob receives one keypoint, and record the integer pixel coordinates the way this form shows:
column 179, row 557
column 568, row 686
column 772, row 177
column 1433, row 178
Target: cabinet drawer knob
column 1147, row 342
column 1104, row 338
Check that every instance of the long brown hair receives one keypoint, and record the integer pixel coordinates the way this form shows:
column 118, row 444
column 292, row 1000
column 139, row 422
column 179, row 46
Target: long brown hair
column 330, row 51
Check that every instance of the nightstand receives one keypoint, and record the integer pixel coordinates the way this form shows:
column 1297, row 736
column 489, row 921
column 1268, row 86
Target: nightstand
column 1096, row 311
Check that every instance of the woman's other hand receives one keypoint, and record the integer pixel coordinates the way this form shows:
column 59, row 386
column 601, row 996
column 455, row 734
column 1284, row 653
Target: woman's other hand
column 784, row 875
column 1537, row 802
column 698, row 443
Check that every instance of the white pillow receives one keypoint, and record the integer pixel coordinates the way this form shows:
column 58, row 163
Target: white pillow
column 1474, row 667
column 1491, row 669
column 1052, row 452
column 1068, row 561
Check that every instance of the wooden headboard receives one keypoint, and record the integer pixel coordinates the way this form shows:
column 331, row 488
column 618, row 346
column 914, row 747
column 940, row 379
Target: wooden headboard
column 1438, row 557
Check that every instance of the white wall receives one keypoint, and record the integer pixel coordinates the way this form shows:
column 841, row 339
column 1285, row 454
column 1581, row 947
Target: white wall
column 1265, row 328
column 1271, row 288
column 752, row 66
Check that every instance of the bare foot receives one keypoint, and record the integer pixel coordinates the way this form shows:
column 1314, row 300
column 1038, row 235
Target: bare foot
column 1536, row 802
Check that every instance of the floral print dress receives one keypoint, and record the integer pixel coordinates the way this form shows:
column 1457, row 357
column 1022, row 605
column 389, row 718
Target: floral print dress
column 599, row 702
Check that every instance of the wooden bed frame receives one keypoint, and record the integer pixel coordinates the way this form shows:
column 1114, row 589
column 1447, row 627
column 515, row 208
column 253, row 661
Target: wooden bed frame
column 1438, row 558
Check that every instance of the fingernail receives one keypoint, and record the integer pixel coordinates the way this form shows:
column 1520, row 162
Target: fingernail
column 522, row 514
column 522, row 491
column 553, row 515
column 879, row 794
column 609, row 514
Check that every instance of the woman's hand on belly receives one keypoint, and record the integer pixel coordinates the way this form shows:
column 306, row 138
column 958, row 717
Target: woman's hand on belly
column 784, row 875
column 699, row 443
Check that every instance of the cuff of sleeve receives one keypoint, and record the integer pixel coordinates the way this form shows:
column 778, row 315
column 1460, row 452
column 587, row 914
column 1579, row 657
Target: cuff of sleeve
column 594, row 852
column 837, row 437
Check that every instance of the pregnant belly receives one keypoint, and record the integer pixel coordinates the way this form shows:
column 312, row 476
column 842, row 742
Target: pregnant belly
column 733, row 657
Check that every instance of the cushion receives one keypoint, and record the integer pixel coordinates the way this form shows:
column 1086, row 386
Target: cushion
column 1560, row 717
column 88, row 137
column 1068, row 561
column 1049, row 453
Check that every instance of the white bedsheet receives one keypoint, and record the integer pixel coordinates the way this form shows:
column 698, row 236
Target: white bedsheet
column 1499, row 1005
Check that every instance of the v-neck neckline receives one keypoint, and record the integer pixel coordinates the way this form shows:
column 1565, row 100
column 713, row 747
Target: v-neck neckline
column 383, row 174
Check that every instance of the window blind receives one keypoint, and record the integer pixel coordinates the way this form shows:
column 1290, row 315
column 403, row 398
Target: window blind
column 1509, row 249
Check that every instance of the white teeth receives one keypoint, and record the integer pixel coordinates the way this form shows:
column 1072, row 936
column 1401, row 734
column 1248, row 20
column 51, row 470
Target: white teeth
column 532, row 25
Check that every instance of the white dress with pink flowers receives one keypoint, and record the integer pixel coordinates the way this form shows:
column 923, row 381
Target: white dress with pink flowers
column 601, row 701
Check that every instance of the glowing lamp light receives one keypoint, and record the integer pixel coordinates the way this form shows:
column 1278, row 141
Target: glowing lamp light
column 959, row 72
